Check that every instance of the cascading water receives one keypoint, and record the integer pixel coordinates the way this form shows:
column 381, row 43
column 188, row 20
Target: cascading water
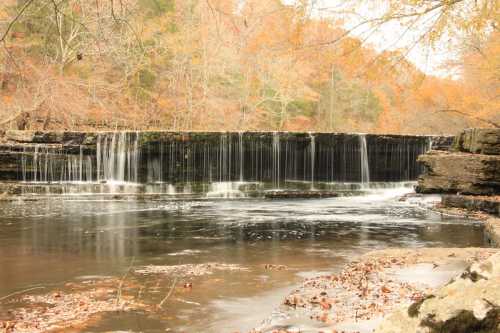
column 49, row 165
column 240, row 150
column 164, row 162
column 276, row 160
column 365, row 167
column 117, row 157
column 313, row 158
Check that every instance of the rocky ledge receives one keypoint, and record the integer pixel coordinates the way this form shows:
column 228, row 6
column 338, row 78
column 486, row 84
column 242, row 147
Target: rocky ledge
column 469, row 303
column 457, row 172
column 399, row 290
column 472, row 166
column 486, row 204
column 470, row 171
column 478, row 141
column 486, row 208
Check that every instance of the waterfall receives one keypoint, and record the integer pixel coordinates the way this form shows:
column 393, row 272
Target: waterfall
column 158, row 162
column 276, row 160
column 224, row 166
column 35, row 163
column 51, row 164
column 117, row 157
column 312, row 157
column 240, row 150
column 365, row 167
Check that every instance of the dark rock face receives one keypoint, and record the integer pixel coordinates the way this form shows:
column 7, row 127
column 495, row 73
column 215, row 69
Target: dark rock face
column 442, row 142
column 170, row 157
column 465, row 322
column 9, row 166
column 67, row 138
column 478, row 141
column 483, row 204
column 453, row 172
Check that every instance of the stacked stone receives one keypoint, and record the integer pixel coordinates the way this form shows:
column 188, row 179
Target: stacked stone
column 470, row 167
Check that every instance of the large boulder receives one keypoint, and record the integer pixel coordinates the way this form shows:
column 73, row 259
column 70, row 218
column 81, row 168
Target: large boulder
column 454, row 172
column 469, row 303
column 478, row 141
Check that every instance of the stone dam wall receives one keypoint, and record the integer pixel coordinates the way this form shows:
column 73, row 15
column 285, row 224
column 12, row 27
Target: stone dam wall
column 174, row 157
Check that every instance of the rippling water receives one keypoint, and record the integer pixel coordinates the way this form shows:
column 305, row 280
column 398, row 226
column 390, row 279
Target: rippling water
column 50, row 242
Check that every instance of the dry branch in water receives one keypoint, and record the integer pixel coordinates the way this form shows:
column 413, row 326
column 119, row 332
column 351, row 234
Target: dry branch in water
column 188, row 269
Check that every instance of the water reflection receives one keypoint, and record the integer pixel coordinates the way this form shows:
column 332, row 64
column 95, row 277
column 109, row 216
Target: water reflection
column 49, row 242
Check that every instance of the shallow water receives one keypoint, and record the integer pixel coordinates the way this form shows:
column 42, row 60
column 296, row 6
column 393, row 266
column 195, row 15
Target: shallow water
column 53, row 241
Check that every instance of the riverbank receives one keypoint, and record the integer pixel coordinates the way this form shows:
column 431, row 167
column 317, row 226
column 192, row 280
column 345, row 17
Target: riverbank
column 483, row 208
column 305, row 237
column 372, row 291
column 370, row 288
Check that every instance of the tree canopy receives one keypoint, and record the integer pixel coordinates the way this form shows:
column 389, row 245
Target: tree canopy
column 232, row 65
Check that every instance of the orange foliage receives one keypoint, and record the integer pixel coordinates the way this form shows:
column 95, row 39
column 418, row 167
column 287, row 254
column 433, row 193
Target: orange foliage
column 231, row 65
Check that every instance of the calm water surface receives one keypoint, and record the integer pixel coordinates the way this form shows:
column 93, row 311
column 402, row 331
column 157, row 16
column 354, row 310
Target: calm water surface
column 53, row 241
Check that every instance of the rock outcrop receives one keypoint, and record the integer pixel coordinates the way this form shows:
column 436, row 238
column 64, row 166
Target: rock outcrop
column 478, row 141
column 472, row 166
column 487, row 204
column 492, row 228
column 455, row 172
column 469, row 303
column 442, row 142
column 171, row 157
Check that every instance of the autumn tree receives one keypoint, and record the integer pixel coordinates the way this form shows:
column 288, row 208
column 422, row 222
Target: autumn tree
column 233, row 65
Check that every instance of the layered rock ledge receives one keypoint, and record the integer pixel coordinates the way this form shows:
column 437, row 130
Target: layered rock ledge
column 458, row 172
column 490, row 205
column 468, row 175
column 487, row 204
column 472, row 166
column 478, row 141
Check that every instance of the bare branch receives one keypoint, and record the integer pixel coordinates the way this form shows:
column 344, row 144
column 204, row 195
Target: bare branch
column 16, row 18
column 490, row 122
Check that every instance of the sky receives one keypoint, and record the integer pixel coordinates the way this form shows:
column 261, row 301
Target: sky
column 390, row 36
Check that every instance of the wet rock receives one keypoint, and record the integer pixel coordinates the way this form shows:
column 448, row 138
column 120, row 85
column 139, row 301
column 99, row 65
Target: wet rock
column 452, row 172
column 9, row 166
column 490, row 205
column 442, row 142
column 76, row 138
column 470, row 303
column 492, row 230
column 35, row 136
column 20, row 136
column 378, row 283
column 59, row 137
column 300, row 194
column 414, row 309
column 478, row 141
